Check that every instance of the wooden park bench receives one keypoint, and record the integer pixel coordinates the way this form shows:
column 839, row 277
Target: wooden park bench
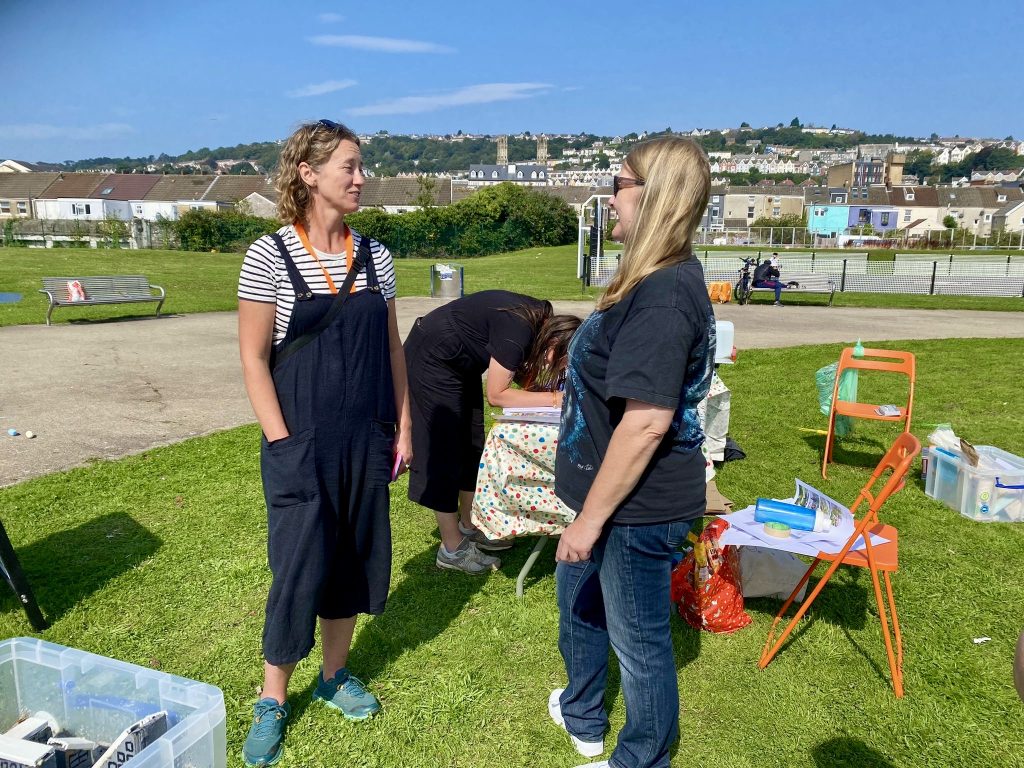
column 110, row 289
column 806, row 283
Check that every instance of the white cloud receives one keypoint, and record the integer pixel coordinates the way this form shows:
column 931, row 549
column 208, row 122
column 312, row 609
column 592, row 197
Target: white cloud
column 380, row 44
column 37, row 131
column 484, row 93
column 319, row 89
column 330, row 18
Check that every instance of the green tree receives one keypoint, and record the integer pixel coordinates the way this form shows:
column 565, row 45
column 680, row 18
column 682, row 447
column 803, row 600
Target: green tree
column 949, row 222
column 601, row 162
column 919, row 163
column 425, row 196
column 795, row 123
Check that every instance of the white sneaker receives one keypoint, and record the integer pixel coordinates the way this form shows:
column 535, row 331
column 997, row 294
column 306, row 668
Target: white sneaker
column 598, row 764
column 585, row 748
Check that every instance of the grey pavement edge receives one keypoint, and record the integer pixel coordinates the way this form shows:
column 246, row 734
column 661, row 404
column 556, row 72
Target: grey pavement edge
column 102, row 390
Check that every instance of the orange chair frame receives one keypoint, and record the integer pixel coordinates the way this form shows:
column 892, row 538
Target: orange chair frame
column 893, row 361
column 879, row 559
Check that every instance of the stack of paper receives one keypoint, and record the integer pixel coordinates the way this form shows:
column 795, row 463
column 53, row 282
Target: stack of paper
column 543, row 414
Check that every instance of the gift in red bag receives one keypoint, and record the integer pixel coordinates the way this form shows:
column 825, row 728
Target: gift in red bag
column 706, row 584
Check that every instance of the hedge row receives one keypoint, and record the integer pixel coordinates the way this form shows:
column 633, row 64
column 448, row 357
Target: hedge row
column 505, row 217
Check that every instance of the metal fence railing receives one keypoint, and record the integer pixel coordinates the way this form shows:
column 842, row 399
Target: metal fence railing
column 853, row 237
column 907, row 273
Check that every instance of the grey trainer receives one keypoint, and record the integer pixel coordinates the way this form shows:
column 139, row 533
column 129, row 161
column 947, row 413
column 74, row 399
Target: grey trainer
column 467, row 558
column 479, row 538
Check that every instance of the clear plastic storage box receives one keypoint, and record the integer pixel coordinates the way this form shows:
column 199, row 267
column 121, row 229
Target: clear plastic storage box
column 94, row 697
column 943, row 480
column 990, row 493
column 994, row 493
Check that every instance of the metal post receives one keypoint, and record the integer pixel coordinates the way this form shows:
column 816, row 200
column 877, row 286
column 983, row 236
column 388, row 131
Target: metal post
column 931, row 289
column 842, row 280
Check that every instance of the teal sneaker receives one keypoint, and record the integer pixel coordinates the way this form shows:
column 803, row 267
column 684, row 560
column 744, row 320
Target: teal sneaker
column 347, row 694
column 263, row 745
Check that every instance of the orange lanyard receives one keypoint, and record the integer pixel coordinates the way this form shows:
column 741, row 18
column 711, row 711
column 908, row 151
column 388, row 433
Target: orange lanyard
column 349, row 252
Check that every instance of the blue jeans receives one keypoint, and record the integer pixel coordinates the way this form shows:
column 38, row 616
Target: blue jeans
column 776, row 284
column 621, row 596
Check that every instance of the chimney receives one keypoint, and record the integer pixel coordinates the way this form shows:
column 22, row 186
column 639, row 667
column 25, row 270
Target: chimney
column 503, row 150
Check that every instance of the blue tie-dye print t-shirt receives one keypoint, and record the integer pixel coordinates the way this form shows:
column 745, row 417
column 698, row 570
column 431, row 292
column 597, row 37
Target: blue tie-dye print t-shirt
column 656, row 346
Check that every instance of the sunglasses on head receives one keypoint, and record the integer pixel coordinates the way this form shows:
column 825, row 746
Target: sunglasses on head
column 624, row 182
column 330, row 125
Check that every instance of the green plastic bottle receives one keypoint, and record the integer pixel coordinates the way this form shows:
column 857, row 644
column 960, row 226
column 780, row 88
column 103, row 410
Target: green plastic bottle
column 858, row 349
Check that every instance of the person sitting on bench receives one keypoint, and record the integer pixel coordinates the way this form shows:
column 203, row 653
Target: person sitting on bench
column 767, row 275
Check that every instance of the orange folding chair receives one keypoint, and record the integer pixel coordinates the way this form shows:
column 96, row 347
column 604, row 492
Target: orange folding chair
column 878, row 558
column 890, row 360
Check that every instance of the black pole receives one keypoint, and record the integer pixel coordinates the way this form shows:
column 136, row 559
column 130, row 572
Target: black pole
column 842, row 280
column 12, row 572
column 931, row 290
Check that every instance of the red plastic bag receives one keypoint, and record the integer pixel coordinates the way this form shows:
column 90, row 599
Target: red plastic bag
column 706, row 584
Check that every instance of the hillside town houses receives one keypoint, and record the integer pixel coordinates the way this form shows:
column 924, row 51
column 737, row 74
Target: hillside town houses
column 862, row 187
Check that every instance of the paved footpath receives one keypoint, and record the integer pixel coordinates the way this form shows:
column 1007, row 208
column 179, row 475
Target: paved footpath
column 107, row 389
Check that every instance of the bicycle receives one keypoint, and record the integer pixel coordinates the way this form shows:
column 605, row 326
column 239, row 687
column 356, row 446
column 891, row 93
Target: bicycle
column 741, row 291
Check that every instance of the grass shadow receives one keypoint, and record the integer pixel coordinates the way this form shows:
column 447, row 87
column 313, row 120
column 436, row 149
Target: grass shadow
column 422, row 607
column 69, row 565
column 843, row 603
column 117, row 319
column 845, row 450
column 848, row 752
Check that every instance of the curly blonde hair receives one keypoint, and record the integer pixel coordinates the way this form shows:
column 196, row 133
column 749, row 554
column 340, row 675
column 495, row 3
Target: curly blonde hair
column 312, row 143
column 672, row 201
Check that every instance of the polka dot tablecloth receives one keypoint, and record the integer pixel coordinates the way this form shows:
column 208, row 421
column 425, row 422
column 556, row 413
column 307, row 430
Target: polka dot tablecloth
column 515, row 486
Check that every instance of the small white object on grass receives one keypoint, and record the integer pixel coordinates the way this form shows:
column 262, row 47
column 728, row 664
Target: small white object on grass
column 980, row 640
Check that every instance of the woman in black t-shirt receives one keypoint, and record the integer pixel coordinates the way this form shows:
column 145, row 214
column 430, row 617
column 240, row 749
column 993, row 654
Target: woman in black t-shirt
column 629, row 457
column 515, row 339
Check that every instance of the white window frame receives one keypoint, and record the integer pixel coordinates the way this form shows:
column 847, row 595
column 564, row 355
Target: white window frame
column 1000, row 198
column 988, row 217
column 776, row 212
column 908, row 195
column 5, row 206
column 81, row 209
column 750, row 211
column 714, row 199
column 906, row 214
column 22, row 207
column 715, row 211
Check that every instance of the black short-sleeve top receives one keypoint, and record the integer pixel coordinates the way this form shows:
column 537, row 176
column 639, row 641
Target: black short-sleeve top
column 489, row 326
column 656, row 346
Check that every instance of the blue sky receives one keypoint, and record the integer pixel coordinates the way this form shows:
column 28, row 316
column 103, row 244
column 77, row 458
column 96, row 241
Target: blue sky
column 137, row 78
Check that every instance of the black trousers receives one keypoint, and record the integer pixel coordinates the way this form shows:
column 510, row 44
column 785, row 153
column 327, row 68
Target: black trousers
column 447, row 404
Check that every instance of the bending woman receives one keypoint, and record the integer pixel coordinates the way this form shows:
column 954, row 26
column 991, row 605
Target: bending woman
column 325, row 373
column 515, row 339
column 629, row 458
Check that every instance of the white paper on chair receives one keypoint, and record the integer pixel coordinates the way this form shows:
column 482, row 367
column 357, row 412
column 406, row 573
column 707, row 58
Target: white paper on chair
column 745, row 531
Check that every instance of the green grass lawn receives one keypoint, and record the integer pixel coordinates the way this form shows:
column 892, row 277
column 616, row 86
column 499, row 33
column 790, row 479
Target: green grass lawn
column 207, row 282
column 464, row 668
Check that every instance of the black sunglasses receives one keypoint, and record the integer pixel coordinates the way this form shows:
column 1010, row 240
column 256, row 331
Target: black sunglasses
column 624, row 182
column 330, row 125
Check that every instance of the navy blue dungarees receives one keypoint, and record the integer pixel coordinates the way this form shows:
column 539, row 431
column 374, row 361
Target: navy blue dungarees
column 326, row 484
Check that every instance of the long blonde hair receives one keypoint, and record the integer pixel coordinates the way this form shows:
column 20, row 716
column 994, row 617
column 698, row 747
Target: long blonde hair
column 677, row 183
column 312, row 143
